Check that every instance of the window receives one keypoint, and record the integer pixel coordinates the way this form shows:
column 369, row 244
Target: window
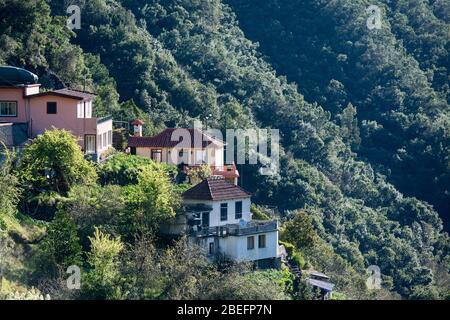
column 200, row 156
column 51, row 107
column 80, row 111
column 104, row 140
column 238, row 210
column 205, row 219
column 262, row 241
column 8, row 109
column 156, row 155
column 250, row 243
column 109, row 137
column 89, row 144
column 99, row 140
column 223, row 211
column 89, row 109
column 211, row 248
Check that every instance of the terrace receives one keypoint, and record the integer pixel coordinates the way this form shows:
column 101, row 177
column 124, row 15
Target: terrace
column 238, row 229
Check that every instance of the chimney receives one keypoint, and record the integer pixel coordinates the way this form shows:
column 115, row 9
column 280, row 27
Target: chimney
column 137, row 127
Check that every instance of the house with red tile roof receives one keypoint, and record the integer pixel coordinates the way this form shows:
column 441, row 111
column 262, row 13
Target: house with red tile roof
column 188, row 147
column 217, row 217
column 23, row 104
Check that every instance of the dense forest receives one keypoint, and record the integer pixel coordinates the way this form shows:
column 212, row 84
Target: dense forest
column 364, row 120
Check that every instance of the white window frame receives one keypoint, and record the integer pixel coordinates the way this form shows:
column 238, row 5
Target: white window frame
column 88, row 110
column 90, row 139
column 80, row 110
column 105, row 141
column 99, row 141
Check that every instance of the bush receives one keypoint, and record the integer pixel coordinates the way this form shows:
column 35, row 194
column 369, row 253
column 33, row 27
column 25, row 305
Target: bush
column 123, row 169
column 258, row 214
column 60, row 248
column 102, row 281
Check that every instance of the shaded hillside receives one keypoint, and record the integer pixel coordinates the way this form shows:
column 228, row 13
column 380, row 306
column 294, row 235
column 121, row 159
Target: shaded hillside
column 180, row 60
column 396, row 77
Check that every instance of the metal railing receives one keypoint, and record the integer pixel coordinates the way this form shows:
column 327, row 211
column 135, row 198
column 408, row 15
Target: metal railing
column 251, row 227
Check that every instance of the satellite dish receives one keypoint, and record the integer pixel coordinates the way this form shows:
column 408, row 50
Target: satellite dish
column 242, row 223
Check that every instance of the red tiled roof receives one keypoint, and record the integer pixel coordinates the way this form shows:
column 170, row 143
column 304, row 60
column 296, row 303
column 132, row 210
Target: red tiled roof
column 164, row 139
column 137, row 122
column 215, row 188
column 227, row 171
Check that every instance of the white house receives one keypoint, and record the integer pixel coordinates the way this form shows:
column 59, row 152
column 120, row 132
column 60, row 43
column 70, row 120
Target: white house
column 217, row 217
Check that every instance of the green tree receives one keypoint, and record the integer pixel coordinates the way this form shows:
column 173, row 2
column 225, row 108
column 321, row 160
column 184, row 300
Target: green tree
column 300, row 231
column 9, row 192
column 95, row 206
column 196, row 175
column 50, row 166
column 349, row 126
column 61, row 247
column 123, row 169
column 103, row 279
column 151, row 201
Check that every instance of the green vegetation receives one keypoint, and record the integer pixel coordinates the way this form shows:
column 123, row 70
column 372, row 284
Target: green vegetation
column 364, row 156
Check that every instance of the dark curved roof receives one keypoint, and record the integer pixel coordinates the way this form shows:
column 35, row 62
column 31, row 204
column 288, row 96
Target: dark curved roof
column 12, row 76
column 164, row 139
column 215, row 188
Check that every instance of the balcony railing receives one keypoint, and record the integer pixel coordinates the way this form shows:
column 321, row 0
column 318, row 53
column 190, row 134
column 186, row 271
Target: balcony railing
column 104, row 119
column 248, row 228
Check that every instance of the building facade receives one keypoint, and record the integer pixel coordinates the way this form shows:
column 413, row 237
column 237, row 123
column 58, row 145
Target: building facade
column 217, row 217
column 24, row 105
column 187, row 147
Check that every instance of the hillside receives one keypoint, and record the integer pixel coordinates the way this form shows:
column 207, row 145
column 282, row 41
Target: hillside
column 363, row 117
column 396, row 77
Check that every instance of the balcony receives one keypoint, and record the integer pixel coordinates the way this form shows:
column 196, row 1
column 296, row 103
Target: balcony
column 244, row 229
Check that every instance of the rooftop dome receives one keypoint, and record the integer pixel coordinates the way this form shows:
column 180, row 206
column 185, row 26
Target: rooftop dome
column 12, row 76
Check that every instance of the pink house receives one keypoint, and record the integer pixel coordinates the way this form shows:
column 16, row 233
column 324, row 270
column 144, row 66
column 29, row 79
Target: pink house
column 25, row 104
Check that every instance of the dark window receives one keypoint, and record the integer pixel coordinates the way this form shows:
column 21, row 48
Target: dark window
column 211, row 248
column 51, row 107
column 223, row 211
column 250, row 243
column 8, row 109
column 238, row 210
column 205, row 219
column 262, row 241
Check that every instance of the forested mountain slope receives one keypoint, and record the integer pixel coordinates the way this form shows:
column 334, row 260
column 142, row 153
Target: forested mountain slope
column 396, row 77
column 180, row 60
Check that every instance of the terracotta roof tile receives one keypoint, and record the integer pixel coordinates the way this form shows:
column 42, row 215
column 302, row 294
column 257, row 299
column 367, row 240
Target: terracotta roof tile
column 215, row 188
column 164, row 139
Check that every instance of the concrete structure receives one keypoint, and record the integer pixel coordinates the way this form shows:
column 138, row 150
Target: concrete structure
column 217, row 217
column 62, row 109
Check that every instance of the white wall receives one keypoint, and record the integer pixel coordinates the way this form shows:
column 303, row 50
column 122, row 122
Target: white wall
column 235, row 247
column 214, row 216
column 102, row 128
